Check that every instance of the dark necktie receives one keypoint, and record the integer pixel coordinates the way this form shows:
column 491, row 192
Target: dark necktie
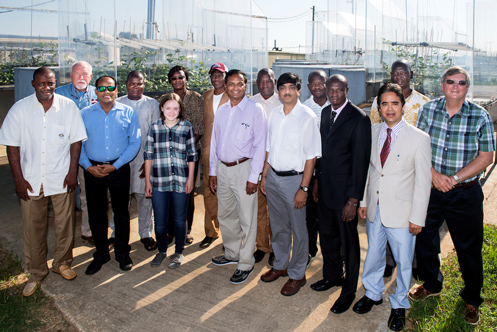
column 386, row 147
column 333, row 116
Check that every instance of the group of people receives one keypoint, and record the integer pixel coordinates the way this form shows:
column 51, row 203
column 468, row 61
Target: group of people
column 276, row 172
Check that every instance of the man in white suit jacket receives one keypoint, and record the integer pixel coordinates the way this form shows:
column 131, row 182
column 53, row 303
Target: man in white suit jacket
column 395, row 202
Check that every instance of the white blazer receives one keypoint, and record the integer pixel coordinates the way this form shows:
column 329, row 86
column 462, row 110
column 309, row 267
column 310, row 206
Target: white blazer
column 402, row 187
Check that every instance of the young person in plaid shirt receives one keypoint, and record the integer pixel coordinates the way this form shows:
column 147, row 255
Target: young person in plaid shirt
column 462, row 143
column 169, row 166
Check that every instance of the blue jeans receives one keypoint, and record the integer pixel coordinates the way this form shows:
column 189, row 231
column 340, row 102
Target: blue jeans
column 161, row 201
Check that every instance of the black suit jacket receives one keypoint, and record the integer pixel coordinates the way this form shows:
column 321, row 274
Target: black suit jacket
column 342, row 169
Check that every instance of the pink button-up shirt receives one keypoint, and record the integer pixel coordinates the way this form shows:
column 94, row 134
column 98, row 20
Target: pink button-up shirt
column 239, row 131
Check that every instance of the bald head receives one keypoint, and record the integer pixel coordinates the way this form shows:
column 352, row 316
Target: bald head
column 265, row 82
column 317, row 75
column 337, row 88
column 45, row 71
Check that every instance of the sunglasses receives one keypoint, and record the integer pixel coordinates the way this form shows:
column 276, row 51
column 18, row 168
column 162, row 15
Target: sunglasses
column 103, row 88
column 461, row 82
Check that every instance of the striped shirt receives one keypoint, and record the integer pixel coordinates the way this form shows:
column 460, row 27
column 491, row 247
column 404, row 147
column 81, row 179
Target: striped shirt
column 170, row 150
column 455, row 141
column 393, row 135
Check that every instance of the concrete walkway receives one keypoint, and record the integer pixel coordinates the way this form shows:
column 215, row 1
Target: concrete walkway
column 197, row 296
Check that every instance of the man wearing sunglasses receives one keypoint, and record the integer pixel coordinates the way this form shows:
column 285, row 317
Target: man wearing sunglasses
column 462, row 143
column 114, row 140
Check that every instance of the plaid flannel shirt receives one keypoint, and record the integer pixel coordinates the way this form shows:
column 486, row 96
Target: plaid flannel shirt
column 455, row 141
column 170, row 150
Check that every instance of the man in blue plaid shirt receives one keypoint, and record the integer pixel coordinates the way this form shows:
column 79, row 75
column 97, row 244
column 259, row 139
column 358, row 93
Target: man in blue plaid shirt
column 462, row 142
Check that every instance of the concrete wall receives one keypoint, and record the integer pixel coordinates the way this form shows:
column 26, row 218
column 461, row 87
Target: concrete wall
column 356, row 75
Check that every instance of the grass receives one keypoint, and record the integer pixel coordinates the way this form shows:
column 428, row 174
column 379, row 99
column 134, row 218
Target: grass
column 18, row 313
column 445, row 312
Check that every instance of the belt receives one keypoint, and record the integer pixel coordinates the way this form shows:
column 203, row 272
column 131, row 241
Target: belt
column 236, row 162
column 95, row 163
column 465, row 185
column 286, row 173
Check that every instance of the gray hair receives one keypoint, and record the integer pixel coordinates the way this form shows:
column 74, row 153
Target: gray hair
column 454, row 71
column 83, row 63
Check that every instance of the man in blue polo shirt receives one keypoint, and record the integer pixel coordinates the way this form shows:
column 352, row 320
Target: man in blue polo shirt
column 114, row 140
column 82, row 94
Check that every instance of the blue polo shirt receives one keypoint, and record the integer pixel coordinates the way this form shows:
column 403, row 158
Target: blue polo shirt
column 111, row 136
column 87, row 98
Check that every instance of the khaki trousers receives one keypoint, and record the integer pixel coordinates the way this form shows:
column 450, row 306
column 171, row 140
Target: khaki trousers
column 237, row 214
column 211, row 223
column 263, row 241
column 35, row 226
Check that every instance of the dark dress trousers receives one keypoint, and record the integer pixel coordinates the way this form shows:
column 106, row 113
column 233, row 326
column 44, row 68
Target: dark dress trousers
column 341, row 174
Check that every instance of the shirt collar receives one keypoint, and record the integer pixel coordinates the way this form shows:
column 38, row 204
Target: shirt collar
column 395, row 129
column 340, row 109
column 463, row 111
column 241, row 105
column 55, row 102
column 296, row 110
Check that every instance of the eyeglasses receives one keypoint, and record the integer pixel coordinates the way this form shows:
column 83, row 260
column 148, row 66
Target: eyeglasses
column 103, row 88
column 461, row 82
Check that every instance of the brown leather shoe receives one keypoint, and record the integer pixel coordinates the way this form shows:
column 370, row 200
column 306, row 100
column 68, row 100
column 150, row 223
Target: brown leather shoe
column 273, row 274
column 419, row 293
column 472, row 314
column 292, row 286
column 65, row 271
column 30, row 288
column 149, row 243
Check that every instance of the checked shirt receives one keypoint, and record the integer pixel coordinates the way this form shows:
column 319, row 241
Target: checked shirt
column 455, row 141
column 170, row 150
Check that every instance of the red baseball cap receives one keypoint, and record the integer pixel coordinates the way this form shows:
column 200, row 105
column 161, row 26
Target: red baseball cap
column 218, row 66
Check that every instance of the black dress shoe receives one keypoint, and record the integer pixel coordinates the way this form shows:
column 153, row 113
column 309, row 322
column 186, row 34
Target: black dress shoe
column 342, row 304
column 365, row 304
column 259, row 255
column 206, row 242
column 323, row 285
column 388, row 271
column 96, row 265
column 397, row 320
column 125, row 263
column 270, row 261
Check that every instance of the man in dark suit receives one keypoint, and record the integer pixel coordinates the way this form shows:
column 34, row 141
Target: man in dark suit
column 340, row 179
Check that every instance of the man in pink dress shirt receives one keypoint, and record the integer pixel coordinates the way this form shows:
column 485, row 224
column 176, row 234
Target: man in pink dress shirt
column 238, row 148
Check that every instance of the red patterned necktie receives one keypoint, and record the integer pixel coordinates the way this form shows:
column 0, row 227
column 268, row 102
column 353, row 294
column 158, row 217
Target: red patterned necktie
column 386, row 147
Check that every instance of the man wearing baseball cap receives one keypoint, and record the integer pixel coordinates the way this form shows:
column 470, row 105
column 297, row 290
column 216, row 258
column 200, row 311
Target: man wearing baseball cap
column 213, row 98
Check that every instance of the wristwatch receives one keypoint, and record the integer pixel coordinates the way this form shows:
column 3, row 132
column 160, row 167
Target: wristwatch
column 304, row 189
column 455, row 177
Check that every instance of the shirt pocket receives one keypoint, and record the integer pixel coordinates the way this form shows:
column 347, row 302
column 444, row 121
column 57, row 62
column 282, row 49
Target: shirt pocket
column 243, row 133
column 59, row 135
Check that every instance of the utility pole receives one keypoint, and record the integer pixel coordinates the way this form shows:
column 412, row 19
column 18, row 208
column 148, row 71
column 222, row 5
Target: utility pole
column 313, row 11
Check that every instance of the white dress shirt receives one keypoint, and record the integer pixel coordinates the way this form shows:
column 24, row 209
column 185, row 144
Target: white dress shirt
column 268, row 104
column 148, row 112
column 292, row 139
column 315, row 107
column 44, row 139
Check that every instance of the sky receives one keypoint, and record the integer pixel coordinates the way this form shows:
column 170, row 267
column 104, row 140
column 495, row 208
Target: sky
column 289, row 34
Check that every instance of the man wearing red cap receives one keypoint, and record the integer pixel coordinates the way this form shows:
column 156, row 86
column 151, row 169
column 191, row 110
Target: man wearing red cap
column 213, row 98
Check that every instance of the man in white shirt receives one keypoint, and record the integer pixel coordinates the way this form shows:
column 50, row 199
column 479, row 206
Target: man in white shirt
column 293, row 144
column 148, row 112
column 43, row 135
column 269, row 101
column 316, row 102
